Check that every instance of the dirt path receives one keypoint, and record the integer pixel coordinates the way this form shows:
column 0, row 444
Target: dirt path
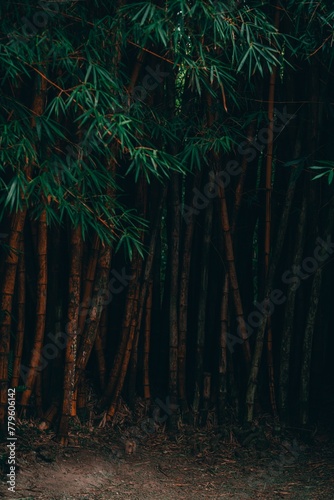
column 201, row 466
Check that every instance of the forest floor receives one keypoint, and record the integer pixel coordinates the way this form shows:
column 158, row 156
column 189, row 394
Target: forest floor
column 207, row 464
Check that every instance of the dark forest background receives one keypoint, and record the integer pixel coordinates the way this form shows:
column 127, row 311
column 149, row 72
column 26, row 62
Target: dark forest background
column 167, row 208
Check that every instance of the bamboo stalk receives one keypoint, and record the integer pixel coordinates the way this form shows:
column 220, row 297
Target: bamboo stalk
column 174, row 286
column 183, row 300
column 72, row 333
column 11, row 261
column 229, row 253
column 222, row 369
column 267, row 244
column 21, row 301
column 138, row 308
column 287, row 331
column 40, row 310
column 100, row 344
column 202, row 307
column 147, row 338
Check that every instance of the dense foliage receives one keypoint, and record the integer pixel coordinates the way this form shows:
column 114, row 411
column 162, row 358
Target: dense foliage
column 105, row 106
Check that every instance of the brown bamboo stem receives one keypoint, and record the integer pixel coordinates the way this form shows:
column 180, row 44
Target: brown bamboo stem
column 40, row 310
column 72, row 333
column 21, row 299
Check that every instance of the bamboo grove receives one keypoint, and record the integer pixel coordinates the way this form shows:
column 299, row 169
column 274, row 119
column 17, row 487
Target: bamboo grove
column 162, row 233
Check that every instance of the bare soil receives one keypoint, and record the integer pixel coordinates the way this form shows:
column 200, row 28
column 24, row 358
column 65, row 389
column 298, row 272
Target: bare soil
column 206, row 464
